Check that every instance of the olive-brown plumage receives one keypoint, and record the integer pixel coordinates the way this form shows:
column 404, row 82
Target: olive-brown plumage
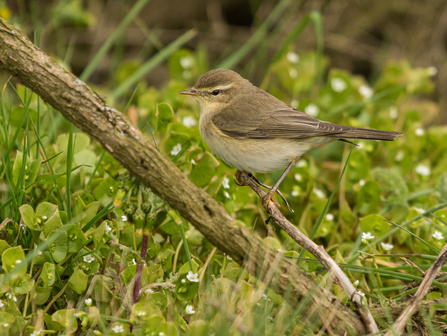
column 253, row 131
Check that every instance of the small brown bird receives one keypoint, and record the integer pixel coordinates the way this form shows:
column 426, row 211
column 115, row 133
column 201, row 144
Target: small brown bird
column 253, row 131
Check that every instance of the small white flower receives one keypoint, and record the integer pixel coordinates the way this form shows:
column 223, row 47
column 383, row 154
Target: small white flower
column 141, row 313
column 432, row 70
column 312, row 110
column 88, row 302
column 193, row 277
column 229, row 258
column 294, row 193
column 294, row 103
column 226, row 194
column 423, row 170
column 367, row 236
column 177, row 148
column 399, row 156
column 419, row 131
column 97, row 332
column 338, row 84
column 393, row 113
column 226, row 183
column 18, row 261
column 387, row 246
column 319, row 193
column 6, row 324
column 293, row 57
column 108, row 228
column 183, row 281
column 438, row 235
column 360, row 145
column 9, row 295
column 149, row 291
column 36, row 332
column 186, row 62
column 193, row 162
column 88, row 258
column 330, row 217
column 298, row 177
column 362, row 182
column 161, row 333
column 189, row 309
column 23, row 227
column 356, row 283
column 189, row 121
column 118, row 329
column 293, row 73
column 134, row 262
column 359, row 292
column 124, row 218
column 301, row 163
column 279, row 250
column 366, row 91
column 420, row 210
column 39, row 253
column 1, row 304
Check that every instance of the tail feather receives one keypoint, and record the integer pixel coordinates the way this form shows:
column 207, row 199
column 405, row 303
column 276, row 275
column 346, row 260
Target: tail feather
column 367, row 134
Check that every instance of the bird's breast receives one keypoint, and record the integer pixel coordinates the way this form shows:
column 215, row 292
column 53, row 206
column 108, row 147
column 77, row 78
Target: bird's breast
column 251, row 155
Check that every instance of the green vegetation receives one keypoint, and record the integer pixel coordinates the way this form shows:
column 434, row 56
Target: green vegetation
column 73, row 222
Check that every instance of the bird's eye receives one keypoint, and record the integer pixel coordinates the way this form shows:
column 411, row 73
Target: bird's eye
column 215, row 92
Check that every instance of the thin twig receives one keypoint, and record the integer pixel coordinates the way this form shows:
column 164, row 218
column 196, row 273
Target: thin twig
column 318, row 251
column 399, row 325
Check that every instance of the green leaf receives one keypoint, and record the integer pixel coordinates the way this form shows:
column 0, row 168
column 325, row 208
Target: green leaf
column 76, row 238
column 185, row 289
column 85, row 211
column 105, row 192
column 24, row 285
column 17, row 167
column 99, row 238
column 49, row 213
column 158, row 299
column 78, row 281
column 13, row 260
column 66, row 318
column 368, row 198
column 42, row 295
column 3, row 246
column 186, row 269
column 31, row 173
column 18, row 113
column 374, row 224
column 101, row 289
column 48, row 275
column 81, row 141
column 59, row 248
column 7, row 320
column 164, row 114
column 204, row 170
column 29, row 217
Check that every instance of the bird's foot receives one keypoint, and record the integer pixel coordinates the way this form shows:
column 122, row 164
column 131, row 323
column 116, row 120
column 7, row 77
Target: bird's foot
column 237, row 180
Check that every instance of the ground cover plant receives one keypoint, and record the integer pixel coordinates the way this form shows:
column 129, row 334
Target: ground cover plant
column 87, row 249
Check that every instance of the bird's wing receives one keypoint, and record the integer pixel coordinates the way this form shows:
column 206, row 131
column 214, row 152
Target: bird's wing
column 283, row 122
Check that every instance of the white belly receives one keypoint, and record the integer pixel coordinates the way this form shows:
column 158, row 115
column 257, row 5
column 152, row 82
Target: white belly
column 256, row 155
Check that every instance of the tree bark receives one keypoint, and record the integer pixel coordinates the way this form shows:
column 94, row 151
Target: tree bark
column 87, row 111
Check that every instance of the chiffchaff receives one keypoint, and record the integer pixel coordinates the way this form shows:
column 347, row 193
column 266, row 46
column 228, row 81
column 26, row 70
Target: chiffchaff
column 253, row 131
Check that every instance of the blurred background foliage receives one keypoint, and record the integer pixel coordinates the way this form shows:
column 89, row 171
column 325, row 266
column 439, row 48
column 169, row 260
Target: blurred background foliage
column 78, row 220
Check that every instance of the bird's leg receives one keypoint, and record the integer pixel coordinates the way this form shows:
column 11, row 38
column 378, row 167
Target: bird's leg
column 272, row 191
column 268, row 187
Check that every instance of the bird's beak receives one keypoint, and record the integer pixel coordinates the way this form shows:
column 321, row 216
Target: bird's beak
column 191, row 92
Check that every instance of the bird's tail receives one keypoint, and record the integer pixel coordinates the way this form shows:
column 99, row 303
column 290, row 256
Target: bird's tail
column 367, row 134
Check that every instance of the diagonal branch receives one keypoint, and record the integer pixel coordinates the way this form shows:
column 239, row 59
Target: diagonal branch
column 399, row 325
column 318, row 251
column 87, row 111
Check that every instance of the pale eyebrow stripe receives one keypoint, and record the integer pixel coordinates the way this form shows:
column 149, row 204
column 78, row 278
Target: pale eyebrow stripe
column 224, row 87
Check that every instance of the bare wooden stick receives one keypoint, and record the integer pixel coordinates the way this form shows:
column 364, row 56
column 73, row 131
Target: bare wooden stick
column 318, row 251
column 399, row 325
